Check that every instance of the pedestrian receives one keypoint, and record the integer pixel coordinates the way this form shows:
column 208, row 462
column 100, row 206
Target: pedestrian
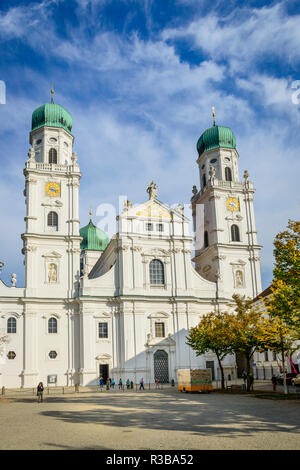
column 128, row 384
column 40, row 390
column 244, row 375
column 274, row 382
column 142, row 384
column 112, row 384
column 251, row 381
column 120, row 384
column 101, row 383
column 156, row 382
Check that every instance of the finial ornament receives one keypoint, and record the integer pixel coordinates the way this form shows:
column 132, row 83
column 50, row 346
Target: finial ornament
column 214, row 115
column 152, row 190
column 52, row 93
column 90, row 213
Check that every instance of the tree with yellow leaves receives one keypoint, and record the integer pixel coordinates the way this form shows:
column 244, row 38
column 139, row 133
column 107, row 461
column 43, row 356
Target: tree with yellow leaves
column 284, row 301
column 273, row 333
column 245, row 339
column 212, row 334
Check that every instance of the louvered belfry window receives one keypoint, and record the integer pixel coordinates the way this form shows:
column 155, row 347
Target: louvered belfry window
column 52, row 156
column 52, row 219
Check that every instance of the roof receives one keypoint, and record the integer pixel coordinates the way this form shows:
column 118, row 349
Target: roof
column 93, row 238
column 216, row 137
column 52, row 115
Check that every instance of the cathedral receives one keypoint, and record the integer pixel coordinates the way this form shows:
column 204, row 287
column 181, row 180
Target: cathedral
column 122, row 307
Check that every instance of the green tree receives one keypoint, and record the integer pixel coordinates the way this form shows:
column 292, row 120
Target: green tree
column 285, row 298
column 212, row 334
column 244, row 330
column 273, row 333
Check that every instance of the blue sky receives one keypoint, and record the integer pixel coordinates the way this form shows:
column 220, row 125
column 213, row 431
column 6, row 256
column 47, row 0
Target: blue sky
column 139, row 78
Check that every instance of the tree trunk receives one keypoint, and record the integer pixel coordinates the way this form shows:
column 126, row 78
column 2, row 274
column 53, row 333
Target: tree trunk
column 222, row 372
column 248, row 360
column 284, row 373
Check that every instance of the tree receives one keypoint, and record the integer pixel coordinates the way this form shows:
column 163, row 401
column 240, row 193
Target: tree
column 273, row 333
column 244, row 330
column 212, row 334
column 285, row 298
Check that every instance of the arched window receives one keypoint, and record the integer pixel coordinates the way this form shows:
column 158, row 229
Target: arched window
column 235, row 233
column 157, row 275
column 203, row 180
column 228, row 175
column 11, row 325
column 52, row 325
column 52, row 220
column 52, row 156
column 205, row 239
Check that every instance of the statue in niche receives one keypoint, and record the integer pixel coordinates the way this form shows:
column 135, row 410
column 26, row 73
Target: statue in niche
column 52, row 273
column 239, row 279
column 212, row 174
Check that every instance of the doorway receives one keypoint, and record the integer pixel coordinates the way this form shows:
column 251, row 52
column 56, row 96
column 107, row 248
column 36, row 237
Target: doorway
column 211, row 365
column 103, row 371
column 161, row 366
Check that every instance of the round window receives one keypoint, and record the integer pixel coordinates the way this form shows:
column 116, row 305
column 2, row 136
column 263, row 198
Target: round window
column 53, row 354
column 11, row 355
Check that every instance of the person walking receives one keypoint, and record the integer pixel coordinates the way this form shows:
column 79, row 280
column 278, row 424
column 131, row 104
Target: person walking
column 274, row 382
column 112, row 384
column 142, row 384
column 156, row 382
column 120, row 384
column 101, row 383
column 128, row 384
column 40, row 390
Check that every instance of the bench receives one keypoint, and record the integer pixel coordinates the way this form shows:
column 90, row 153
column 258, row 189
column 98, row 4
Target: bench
column 234, row 387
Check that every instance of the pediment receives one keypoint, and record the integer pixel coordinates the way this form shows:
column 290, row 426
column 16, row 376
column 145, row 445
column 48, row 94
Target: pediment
column 52, row 254
column 158, row 315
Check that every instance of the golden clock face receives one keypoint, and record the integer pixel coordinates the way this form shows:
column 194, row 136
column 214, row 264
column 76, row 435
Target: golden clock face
column 233, row 204
column 52, row 189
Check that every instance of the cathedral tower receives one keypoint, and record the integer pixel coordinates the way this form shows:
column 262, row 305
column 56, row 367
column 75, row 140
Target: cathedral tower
column 226, row 248
column 51, row 239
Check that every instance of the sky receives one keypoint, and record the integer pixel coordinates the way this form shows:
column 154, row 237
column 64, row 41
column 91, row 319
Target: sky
column 139, row 78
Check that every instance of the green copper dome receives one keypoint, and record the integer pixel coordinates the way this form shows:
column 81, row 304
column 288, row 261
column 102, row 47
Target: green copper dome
column 215, row 137
column 93, row 238
column 52, row 115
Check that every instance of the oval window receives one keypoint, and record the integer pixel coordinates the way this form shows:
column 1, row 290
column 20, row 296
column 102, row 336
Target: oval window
column 52, row 139
column 213, row 160
column 38, row 142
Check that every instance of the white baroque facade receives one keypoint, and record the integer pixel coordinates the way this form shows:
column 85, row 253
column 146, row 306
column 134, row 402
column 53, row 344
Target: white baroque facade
column 123, row 308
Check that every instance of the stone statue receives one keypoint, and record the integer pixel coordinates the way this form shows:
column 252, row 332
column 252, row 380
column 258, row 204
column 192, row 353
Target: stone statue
column 246, row 177
column 31, row 154
column 194, row 190
column 74, row 157
column 127, row 204
column 212, row 174
column 52, row 273
column 239, row 279
column 152, row 190
column 13, row 280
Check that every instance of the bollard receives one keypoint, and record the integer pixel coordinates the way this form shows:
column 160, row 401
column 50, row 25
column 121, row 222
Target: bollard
column 3, row 390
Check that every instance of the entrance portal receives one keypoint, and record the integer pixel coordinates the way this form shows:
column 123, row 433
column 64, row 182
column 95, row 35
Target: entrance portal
column 161, row 366
column 103, row 370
